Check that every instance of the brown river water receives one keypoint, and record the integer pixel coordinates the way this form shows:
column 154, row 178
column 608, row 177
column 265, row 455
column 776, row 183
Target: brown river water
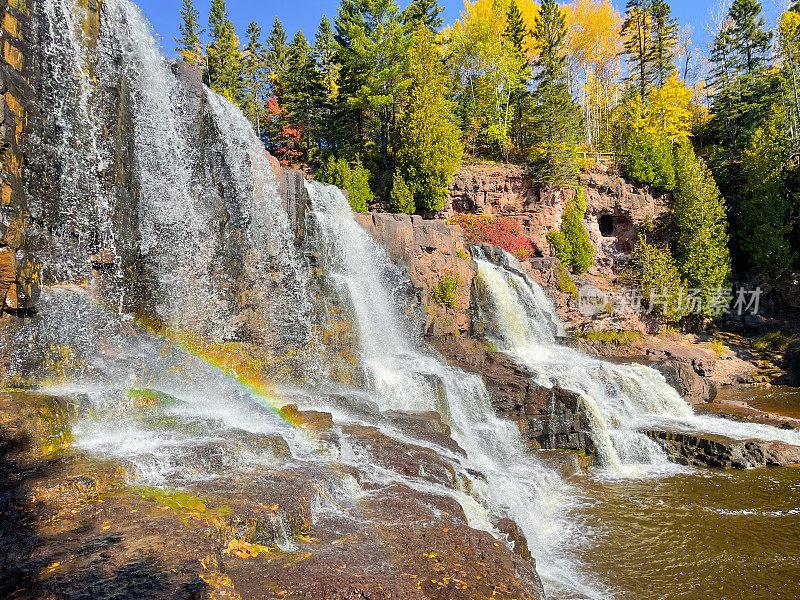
column 777, row 399
column 701, row 535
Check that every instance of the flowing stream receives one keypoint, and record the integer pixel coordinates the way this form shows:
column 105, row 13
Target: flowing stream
column 619, row 399
column 176, row 415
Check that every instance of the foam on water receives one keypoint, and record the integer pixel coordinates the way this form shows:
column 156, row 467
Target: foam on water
column 402, row 373
column 620, row 399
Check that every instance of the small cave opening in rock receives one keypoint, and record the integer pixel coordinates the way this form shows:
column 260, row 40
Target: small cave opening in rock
column 606, row 224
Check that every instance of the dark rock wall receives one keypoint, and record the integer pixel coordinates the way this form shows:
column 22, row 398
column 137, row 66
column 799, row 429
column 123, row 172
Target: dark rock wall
column 73, row 218
column 19, row 268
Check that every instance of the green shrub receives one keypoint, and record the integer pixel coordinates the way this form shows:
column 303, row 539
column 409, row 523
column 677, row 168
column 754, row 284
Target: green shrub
column 774, row 340
column 360, row 193
column 655, row 270
column 354, row 181
column 718, row 347
column 565, row 283
column 335, row 171
column 572, row 244
column 401, row 200
column 446, row 290
column 619, row 337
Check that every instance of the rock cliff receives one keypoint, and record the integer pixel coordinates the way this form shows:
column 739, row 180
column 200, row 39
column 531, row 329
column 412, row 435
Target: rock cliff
column 616, row 208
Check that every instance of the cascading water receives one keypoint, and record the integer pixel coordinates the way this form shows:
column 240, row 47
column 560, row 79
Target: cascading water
column 619, row 399
column 176, row 418
column 172, row 415
column 69, row 56
column 403, row 374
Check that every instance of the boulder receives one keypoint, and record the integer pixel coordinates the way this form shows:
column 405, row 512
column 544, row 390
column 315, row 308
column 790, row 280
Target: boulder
column 548, row 418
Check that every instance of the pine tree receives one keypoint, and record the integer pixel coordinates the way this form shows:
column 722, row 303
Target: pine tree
column 664, row 42
column 750, row 39
column 324, row 53
column 430, row 148
column 217, row 17
column 425, row 13
column 189, row 46
column 254, row 78
column 277, row 58
column 556, row 116
column 765, row 221
column 303, row 91
column 571, row 243
column 700, row 223
column 372, row 50
column 224, row 73
column 638, row 43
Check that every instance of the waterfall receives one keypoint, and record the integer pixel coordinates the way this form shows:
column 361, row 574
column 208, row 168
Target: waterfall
column 619, row 399
column 84, row 208
column 204, row 221
column 402, row 373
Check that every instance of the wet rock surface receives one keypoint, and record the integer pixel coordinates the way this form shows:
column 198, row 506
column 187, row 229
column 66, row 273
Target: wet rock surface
column 720, row 452
column 432, row 252
column 547, row 418
column 75, row 527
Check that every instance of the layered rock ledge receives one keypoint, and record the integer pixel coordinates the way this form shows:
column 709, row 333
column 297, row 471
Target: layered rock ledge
column 720, row 452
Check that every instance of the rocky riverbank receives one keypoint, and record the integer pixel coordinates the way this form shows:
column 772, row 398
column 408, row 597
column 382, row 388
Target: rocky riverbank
column 75, row 526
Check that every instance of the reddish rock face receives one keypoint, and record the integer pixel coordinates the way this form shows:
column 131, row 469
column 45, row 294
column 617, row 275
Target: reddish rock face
column 615, row 207
column 431, row 251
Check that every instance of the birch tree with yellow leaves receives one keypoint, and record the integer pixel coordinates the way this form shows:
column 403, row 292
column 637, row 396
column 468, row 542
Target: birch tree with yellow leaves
column 594, row 44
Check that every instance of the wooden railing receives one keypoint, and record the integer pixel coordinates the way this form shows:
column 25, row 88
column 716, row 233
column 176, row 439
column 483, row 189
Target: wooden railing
column 600, row 158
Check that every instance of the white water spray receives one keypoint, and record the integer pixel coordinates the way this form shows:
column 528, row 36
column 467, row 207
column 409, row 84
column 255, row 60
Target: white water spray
column 620, row 400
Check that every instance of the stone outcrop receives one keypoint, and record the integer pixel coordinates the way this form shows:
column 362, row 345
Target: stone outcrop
column 432, row 253
column 716, row 451
column 547, row 418
column 615, row 207
column 19, row 269
column 73, row 524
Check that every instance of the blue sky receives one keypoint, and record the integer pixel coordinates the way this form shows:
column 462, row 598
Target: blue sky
column 306, row 14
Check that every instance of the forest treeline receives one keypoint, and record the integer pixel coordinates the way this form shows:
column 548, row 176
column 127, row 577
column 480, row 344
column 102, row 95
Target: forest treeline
column 389, row 102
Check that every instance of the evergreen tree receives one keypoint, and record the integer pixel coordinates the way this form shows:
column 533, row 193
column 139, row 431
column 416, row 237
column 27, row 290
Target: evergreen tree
column 217, row 17
column 430, row 148
column 277, row 58
column 354, row 181
column 303, row 90
column 254, row 78
column 224, row 73
column 571, row 243
column 325, row 57
column 750, row 39
column 663, row 43
column 765, row 221
column 700, row 223
column 636, row 30
column 743, row 89
column 401, row 200
column 189, row 46
column 425, row 13
column 372, row 50
column 556, row 117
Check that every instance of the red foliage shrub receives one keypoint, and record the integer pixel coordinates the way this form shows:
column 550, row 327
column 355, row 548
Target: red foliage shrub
column 498, row 231
column 287, row 142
